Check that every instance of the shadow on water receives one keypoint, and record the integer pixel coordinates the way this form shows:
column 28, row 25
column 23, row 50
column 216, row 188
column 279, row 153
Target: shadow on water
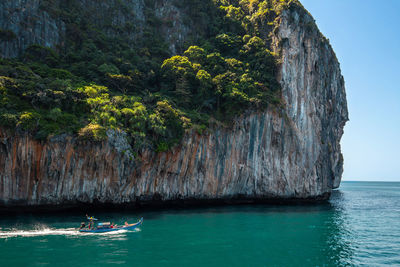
column 289, row 235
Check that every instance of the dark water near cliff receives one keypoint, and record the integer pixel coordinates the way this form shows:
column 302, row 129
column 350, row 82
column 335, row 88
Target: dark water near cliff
column 360, row 225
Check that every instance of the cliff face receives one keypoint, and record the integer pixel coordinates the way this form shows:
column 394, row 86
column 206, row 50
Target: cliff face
column 285, row 154
column 30, row 26
column 38, row 22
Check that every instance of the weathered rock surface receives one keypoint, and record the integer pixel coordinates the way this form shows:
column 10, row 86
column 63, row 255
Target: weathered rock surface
column 275, row 154
column 30, row 26
column 33, row 22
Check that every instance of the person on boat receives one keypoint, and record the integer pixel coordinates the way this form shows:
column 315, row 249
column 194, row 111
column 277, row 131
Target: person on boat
column 90, row 219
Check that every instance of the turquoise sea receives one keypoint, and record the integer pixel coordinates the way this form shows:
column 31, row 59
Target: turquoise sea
column 360, row 225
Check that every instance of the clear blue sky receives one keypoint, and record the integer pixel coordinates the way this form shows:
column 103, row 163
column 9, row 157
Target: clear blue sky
column 365, row 35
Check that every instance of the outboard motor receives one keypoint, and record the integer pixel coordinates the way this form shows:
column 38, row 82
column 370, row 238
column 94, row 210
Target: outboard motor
column 82, row 225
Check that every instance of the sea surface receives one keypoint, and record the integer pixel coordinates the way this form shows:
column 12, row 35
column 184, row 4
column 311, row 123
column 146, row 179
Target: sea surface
column 360, row 225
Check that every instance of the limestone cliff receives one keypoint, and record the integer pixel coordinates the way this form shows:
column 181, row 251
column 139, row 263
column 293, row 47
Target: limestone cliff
column 292, row 153
column 36, row 22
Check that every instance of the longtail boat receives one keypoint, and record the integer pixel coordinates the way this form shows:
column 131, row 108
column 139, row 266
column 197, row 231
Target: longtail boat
column 104, row 227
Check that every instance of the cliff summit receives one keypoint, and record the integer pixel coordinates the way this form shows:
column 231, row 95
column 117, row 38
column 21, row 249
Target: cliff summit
column 135, row 101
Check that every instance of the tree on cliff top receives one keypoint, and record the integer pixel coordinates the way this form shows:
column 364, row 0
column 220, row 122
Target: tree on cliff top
column 102, row 79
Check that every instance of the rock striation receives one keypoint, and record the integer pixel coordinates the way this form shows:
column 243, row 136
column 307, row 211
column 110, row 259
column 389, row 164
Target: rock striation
column 35, row 22
column 288, row 153
column 30, row 25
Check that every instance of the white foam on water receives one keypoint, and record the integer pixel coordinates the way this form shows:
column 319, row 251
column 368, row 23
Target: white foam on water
column 54, row 232
column 41, row 232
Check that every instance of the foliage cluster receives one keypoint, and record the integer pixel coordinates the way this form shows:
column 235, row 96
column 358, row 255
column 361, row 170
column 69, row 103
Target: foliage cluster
column 99, row 81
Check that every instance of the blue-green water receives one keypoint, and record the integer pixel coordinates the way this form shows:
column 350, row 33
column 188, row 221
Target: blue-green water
column 360, row 225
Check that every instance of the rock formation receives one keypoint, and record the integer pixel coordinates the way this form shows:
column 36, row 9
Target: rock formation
column 292, row 153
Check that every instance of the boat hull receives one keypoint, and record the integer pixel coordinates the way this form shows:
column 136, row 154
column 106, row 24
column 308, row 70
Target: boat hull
column 129, row 227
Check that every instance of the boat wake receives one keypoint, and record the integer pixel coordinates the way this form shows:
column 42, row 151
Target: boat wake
column 42, row 232
column 55, row 232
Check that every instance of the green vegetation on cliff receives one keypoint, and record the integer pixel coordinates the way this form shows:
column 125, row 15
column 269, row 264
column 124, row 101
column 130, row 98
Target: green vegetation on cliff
column 103, row 78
